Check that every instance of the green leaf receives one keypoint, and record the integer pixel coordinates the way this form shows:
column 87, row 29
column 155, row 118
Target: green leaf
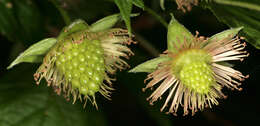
column 125, row 7
column 35, row 52
column 75, row 26
column 150, row 66
column 176, row 34
column 20, row 21
column 8, row 21
column 25, row 105
column 235, row 16
column 29, row 18
column 139, row 3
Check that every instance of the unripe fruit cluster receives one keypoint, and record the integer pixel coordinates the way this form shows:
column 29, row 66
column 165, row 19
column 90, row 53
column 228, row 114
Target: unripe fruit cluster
column 82, row 65
column 194, row 71
column 197, row 76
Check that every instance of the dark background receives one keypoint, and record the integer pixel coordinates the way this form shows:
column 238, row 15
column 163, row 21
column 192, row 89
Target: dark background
column 129, row 106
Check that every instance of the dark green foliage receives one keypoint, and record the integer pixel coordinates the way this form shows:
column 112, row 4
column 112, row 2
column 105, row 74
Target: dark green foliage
column 24, row 23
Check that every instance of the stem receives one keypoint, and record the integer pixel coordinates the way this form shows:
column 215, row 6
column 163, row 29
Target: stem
column 239, row 4
column 64, row 14
column 147, row 45
column 158, row 17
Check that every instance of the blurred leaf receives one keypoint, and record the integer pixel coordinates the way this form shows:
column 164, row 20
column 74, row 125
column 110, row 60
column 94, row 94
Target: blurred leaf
column 8, row 23
column 125, row 7
column 139, row 3
column 63, row 13
column 35, row 52
column 235, row 16
column 75, row 26
column 149, row 66
column 20, row 20
column 162, row 4
column 25, row 105
column 89, row 10
column 29, row 18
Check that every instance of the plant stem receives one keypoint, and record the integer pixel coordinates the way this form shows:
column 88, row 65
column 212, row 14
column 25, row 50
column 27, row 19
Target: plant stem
column 158, row 17
column 146, row 45
column 64, row 14
column 239, row 4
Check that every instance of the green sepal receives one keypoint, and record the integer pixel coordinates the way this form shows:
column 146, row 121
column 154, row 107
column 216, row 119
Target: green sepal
column 150, row 65
column 177, row 33
column 227, row 33
column 107, row 22
column 75, row 26
column 34, row 53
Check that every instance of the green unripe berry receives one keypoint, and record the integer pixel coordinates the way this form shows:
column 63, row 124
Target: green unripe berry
column 75, row 74
column 68, row 55
column 75, row 51
column 84, row 90
column 93, row 86
column 193, row 69
column 81, row 58
column 197, row 76
column 69, row 66
column 82, row 65
column 75, row 83
column 84, row 80
column 91, row 93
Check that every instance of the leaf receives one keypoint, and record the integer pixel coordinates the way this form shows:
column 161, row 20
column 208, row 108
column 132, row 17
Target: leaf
column 7, row 19
column 149, row 66
column 139, row 3
column 75, row 26
column 29, row 18
column 125, row 7
column 35, row 52
column 25, row 105
column 235, row 16
column 20, row 21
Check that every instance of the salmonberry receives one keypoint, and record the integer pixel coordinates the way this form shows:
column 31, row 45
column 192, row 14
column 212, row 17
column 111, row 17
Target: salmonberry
column 83, row 66
column 80, row 63
column 194, row 74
